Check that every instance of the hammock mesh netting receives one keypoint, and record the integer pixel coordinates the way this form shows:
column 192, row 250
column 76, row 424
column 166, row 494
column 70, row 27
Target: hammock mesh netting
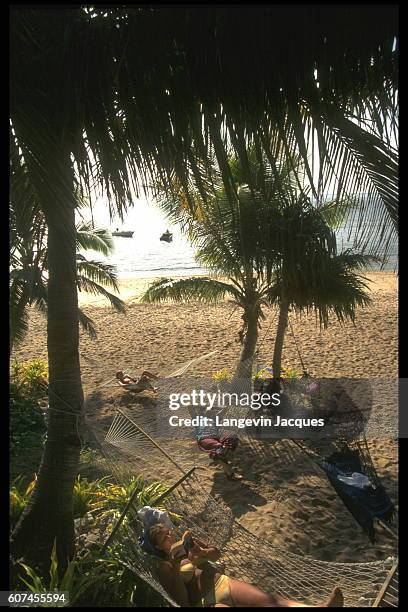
column 244, row 556
column 127, row 449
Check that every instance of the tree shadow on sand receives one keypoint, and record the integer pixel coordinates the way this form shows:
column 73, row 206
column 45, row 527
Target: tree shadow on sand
column 238, row 496
column 147, row 400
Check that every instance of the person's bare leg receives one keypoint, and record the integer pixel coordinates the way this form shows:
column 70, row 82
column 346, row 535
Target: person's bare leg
column 335, row 599
column 227, row 469
column 230, row 471
column 150, row 375
column 246, row 595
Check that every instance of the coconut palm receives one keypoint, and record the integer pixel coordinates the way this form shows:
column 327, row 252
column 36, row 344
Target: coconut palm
column 94, row 104
column 335, row 286
column 28, row 276
column 242, row 289
column 233, row 240
column 310, row 275
column 275, row 250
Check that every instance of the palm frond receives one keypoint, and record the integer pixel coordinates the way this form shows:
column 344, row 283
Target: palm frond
column 335, row 213
column 90, row 286
column 334, row 286
column 99, row 240
column 19, row 299
column 202, row 289
column 87, row 324
column 126, row 112
column 98, row 271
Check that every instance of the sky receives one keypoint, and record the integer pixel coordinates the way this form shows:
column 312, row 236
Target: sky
column 142, row 213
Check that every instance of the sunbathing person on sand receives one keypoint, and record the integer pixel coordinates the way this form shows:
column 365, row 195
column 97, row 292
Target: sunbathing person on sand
column 192, row 581
column 137, row 384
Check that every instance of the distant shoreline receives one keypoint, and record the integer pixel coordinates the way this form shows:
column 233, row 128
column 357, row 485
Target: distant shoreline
column 132, row 287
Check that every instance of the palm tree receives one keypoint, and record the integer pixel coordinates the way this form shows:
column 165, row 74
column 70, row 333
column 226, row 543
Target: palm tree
column 53, row 132
column 233, row 240
column 275, row 250
column 310, row 275
column 247, row 296
column 94, row 104
column 28, row 276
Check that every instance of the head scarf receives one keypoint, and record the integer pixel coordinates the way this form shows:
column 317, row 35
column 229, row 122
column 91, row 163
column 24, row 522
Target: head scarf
column 152, row 516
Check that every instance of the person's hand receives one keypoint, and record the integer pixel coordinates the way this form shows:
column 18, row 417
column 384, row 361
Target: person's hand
column 196, row 552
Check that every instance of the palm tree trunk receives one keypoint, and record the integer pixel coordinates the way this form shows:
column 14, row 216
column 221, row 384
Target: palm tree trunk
column 49, row 513
column 244, row 368
column 280, row 336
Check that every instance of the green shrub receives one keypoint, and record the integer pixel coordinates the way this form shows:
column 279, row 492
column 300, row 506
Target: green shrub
column 96, row 496
column 111, row 498
column 290, row 373
column 88, row 457
column 85, row 495
column 19, row 496
column 74, row 580
column 222, row 375
column 101, row 497
column 267, row 372
column 116, row 584
column 263, row 374
column 27, row 426
column 29, row 379
column 91, row 580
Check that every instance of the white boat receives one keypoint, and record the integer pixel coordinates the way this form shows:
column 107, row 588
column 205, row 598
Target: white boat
column 123, row 234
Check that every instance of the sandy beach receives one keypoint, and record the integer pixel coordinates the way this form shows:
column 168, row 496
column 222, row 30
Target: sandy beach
column 283, row 497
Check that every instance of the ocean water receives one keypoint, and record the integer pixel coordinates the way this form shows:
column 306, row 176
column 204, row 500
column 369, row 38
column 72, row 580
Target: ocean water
column 144, row 255
column 347, row 237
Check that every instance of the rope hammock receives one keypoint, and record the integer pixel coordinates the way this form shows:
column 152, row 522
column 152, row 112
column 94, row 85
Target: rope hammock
column 179, row 371
column 297, row 349
column 347, row 436
column 348, row 427
column 348, row 446
column 244, row 555
column 377, row 504
column 388, row 595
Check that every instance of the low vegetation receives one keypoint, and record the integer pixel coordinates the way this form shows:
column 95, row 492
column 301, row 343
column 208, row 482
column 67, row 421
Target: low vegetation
column 90, row 579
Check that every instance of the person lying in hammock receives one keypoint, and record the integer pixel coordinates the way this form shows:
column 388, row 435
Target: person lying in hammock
column 137, row 384
column 192, row 581
column 220, row 450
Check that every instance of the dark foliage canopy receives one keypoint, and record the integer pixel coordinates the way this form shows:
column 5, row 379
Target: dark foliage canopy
column 131, row 92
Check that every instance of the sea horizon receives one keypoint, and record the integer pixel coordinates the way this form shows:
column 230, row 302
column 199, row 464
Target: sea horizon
column 145, row 255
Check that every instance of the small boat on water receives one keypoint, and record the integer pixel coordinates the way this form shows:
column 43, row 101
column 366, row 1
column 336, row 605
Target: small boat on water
column 167, row 236
column 122, row 234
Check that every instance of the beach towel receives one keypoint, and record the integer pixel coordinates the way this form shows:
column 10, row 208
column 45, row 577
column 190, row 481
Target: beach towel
column 361, row 481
